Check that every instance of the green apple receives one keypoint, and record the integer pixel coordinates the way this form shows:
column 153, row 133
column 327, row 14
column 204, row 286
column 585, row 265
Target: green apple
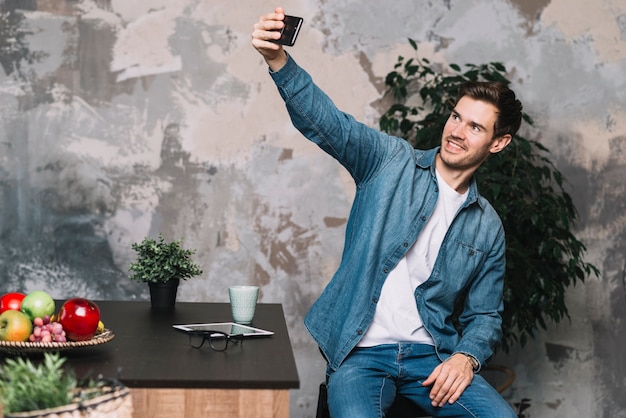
column 15, row 326
column 38, row 304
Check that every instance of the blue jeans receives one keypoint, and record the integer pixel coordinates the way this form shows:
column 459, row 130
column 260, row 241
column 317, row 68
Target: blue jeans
column 367, row 382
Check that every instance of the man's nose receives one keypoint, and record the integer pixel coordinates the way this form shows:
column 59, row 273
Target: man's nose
column 458, row 131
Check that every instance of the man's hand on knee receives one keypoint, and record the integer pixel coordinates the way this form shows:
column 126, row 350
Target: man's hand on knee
column 449, row 380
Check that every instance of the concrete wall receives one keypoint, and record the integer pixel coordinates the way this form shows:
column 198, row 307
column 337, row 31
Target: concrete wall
column 121, row 119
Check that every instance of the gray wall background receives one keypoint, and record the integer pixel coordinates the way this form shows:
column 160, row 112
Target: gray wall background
column 121, row 119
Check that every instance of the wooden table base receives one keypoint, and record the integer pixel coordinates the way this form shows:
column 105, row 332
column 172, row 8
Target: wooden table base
column 208, row 403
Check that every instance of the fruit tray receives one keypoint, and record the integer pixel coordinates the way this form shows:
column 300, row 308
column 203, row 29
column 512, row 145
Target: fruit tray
column 19, row 347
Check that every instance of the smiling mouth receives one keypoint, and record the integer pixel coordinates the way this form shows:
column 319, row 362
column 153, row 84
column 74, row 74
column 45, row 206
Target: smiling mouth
column 454, row 144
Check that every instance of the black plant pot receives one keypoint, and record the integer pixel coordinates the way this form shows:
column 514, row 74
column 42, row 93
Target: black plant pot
column 163, row 295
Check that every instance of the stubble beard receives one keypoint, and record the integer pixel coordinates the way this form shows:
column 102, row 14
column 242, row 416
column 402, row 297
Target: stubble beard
column 463, row 161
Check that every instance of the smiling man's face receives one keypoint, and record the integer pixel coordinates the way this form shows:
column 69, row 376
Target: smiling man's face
column 467, row 138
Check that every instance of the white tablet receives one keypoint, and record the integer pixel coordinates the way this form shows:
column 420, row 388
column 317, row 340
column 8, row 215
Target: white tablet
column 230, row 328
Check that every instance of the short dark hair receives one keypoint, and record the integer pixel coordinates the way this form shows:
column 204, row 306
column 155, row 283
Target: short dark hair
column 503, row 98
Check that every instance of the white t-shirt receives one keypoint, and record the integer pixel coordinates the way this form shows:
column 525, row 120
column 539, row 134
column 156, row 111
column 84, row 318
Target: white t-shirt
column 396, row 318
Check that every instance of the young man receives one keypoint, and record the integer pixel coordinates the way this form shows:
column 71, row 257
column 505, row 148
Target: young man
column 419, row 239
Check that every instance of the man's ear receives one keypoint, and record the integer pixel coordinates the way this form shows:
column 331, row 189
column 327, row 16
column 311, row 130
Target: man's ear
column 500, row 143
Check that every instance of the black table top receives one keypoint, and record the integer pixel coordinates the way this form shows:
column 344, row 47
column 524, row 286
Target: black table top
column 148, row 353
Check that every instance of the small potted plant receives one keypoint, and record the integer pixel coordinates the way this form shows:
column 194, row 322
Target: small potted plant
column 35, row 389
column 162, row 265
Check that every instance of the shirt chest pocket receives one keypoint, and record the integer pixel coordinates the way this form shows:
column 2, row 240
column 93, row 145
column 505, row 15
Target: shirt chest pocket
column 461, row 262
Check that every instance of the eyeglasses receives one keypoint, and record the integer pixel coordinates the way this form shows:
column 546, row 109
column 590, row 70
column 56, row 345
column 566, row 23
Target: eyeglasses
column 218, row 341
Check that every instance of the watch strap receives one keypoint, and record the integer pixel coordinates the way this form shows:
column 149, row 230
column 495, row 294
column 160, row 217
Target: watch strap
column 473, row 362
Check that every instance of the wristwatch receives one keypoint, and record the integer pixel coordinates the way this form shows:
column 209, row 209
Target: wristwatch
column 473, row 362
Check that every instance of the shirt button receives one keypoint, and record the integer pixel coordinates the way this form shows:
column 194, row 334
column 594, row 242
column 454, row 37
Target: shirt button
column 360, row 332
column 423, row 218
column 386, row 270
column 375, row 299
column 406, row 244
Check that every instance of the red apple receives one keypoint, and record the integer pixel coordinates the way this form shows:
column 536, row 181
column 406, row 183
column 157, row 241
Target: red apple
column 79, row 318
column 15, row 326
column 12, row 300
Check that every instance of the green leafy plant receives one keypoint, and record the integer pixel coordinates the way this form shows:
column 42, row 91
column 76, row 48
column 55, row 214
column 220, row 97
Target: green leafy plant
column 543, row 256
column 160, row 261
column 25, row 386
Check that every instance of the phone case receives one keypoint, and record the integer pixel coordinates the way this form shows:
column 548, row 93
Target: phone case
column 289, row 33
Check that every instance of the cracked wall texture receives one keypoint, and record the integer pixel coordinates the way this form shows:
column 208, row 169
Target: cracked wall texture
column 123, row 119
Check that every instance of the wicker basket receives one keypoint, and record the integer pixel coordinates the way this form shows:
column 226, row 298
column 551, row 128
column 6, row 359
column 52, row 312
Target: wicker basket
column 27, row 347
column 114, row 402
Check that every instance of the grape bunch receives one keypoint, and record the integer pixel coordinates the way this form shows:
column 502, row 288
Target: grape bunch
column 46, row 331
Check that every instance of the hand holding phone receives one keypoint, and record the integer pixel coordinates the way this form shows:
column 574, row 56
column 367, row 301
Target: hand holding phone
column 290, row 30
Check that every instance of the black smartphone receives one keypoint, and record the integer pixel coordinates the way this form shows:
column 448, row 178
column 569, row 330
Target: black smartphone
column 289, row 32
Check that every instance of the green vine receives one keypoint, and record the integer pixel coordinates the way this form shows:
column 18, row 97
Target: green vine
column 543, row 256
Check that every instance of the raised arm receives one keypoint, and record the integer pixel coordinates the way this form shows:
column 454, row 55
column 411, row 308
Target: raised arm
column 359, row 148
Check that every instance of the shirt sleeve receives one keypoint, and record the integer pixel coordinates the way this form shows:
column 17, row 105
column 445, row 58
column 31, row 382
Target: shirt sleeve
column 360, row 149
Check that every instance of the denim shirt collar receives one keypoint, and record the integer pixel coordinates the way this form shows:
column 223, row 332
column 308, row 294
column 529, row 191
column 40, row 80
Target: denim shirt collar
column 427, row 159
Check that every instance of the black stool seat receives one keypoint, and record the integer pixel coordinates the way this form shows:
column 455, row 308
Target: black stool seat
column 401, row 407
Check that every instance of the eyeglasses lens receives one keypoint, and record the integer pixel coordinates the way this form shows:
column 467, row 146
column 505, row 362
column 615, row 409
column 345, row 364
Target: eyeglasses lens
column 218, row 342
column 196, row 340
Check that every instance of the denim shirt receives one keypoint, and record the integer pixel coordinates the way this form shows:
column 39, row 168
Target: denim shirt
column 396, row 192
